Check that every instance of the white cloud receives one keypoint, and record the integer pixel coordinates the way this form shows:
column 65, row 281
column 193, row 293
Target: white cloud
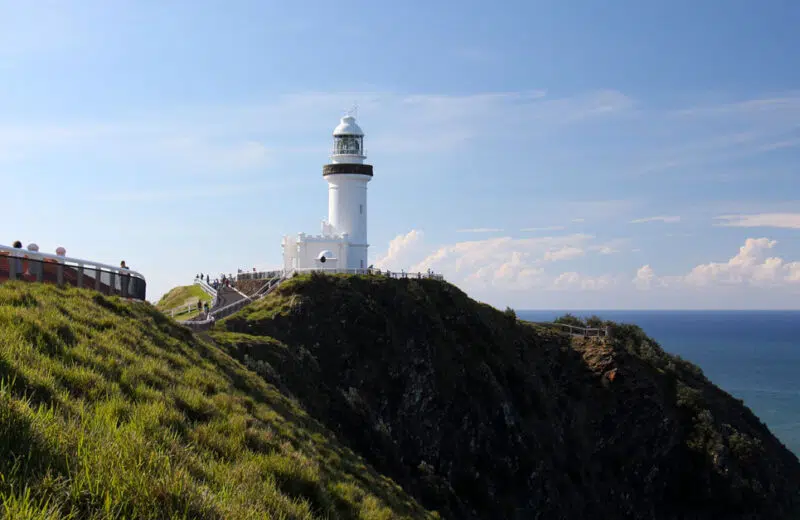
column 403, row 250
column 480, row 230
column 563, row 253
column 576, row 281
column 547, row 228
column 503, row 263
column 644, row 277
column 793, row 272
column 662, row 218
column 504, row 270
column 778, row 220
column 750, row 267
column 578, row 220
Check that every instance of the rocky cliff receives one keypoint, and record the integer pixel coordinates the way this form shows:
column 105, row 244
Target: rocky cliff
column 478, row 415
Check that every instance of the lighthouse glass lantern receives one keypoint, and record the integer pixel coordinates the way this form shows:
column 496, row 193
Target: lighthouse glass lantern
column 348, row 144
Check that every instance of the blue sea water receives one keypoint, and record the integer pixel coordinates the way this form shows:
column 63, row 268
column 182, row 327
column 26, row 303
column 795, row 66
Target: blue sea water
column 753, row 355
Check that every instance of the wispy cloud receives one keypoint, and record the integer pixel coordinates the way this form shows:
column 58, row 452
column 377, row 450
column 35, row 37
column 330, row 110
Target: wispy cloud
column 546, row 228
column 790, row 101
column 777, row 220
column 717, row 133
column 185, row 192
column 662, row 218
column 480, row 230
column 394, row 120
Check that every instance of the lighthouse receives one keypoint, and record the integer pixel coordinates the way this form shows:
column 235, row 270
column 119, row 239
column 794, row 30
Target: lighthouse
column 343, row 243
column 347, row 177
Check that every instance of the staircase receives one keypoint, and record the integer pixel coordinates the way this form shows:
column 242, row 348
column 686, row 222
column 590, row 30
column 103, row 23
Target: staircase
column 228, row 301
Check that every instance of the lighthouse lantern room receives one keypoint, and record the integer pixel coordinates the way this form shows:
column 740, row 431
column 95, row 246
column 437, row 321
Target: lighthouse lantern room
column 343, row 242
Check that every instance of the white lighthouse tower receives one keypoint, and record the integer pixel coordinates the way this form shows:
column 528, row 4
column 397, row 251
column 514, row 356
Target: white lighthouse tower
column 347, row 177
column 343, row 242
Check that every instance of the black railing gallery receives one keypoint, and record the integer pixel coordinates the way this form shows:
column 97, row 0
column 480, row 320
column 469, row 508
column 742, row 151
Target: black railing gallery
column 21, row 264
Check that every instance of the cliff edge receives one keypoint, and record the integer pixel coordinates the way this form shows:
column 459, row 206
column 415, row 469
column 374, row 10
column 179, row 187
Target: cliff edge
column 479, row 415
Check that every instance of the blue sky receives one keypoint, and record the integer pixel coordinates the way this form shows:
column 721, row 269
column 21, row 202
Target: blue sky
column 539, row 154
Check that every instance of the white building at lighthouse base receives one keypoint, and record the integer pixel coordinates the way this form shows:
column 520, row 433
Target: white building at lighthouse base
column 304, row 251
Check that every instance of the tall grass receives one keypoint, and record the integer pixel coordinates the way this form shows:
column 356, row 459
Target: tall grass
column 110, row 410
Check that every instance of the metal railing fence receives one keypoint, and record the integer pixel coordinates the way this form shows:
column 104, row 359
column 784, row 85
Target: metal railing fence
column 31, row 266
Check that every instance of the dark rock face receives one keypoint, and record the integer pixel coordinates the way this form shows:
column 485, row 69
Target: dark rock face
column 480, row 416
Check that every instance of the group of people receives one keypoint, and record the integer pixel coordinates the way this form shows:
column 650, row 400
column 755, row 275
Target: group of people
column 23, row 267
column 202, row 307
column 222, row 281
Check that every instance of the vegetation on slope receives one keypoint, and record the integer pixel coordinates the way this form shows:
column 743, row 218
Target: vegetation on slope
column 183, row 296
column 110, row 410
column 479, row 415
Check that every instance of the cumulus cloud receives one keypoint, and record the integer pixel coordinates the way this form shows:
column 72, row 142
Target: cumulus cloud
column 778, row 220
column 644, row 277
column 503, row 263
column 403, row 250
column 661, row 218
column 751, row 266
column 506, row 269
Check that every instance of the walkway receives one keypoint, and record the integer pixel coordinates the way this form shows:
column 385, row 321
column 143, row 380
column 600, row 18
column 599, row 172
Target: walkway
column 573, row 330
column 227, row 296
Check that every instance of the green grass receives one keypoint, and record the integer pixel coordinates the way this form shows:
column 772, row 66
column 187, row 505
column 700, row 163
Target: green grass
column 182, row 296
column 109, row 409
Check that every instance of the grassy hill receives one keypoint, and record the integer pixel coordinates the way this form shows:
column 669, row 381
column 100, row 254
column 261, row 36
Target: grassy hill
column 479, row 415
column 182, row 295
column 109, row 409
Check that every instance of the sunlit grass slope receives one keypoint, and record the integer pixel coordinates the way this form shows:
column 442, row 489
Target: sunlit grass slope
column 110, row 410
column 182, row 295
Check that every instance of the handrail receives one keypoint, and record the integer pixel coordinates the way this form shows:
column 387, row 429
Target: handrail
column 36, row 255
column 229, row 309
column 264, row 275
column 584, row 331
column 33, row 266
column 206, row 287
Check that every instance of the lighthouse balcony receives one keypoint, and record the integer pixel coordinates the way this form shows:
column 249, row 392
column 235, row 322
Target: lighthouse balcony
column 347, row 168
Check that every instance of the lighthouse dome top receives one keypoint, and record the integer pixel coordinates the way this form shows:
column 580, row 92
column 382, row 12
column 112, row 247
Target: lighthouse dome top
column 348, row 126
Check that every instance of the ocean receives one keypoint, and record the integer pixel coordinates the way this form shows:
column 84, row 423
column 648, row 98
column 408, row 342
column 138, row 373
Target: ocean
column 753, row 355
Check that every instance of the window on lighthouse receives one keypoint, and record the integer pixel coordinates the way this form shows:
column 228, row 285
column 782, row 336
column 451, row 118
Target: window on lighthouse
column 348, row 145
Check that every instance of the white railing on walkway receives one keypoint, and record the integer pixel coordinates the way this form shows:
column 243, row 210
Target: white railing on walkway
column 266, row 275
column 373, row 272
column 207, row 289
column 259, row 275
column 587, row 332
column 229, row 309
column 182, row 309
column 35, row 266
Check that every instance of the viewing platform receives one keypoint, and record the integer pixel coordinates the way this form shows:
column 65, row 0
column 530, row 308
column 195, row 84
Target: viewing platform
column 33, row 266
